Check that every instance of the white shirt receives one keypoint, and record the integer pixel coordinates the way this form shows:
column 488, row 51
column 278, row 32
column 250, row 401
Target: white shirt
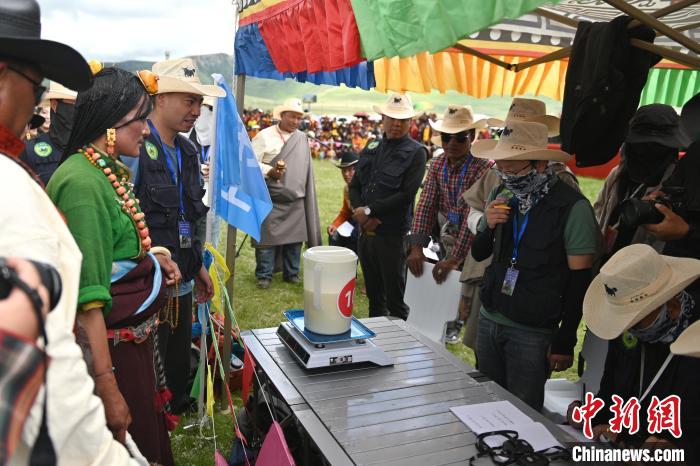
column 33, row 229
column 267, row 145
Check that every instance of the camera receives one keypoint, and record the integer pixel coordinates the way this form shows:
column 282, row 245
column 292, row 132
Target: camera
column 48, row 275
column 636, row 212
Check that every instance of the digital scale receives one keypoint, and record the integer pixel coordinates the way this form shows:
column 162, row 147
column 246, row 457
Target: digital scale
column 314, row 350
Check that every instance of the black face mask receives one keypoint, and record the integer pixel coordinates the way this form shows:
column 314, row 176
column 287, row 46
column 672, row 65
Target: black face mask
column 61, row 124
column 647, row 162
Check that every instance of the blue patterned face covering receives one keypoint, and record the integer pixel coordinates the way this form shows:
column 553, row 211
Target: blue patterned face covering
column 665, row 329
column 528, row 188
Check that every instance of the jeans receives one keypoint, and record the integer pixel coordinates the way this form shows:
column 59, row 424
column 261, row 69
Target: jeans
column 516, row 359
column 265, row 261
column 383, row 261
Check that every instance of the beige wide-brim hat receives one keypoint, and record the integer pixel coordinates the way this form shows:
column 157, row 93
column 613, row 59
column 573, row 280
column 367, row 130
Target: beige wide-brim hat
column 397, row 106
column 57, row 91
column 457, row 118
column 688, row 342
column 289, row 105
column 520, row 140
column 633, row 283
column 532, row 110
column 181, row 75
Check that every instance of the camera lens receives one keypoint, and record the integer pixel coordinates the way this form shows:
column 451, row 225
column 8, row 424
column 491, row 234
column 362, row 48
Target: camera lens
column 635, row 212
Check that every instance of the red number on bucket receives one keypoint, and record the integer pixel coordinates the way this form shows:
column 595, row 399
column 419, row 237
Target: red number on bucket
column 346, row 297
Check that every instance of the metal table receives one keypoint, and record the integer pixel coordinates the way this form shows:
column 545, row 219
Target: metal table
column 400, row 415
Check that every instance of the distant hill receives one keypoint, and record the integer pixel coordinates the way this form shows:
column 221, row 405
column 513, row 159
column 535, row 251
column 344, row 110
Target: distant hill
column 266, row 93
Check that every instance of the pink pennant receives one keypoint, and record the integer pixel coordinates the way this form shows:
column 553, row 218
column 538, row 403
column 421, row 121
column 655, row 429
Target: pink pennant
column 248, row 370
column 219, row 460
column 274, row 451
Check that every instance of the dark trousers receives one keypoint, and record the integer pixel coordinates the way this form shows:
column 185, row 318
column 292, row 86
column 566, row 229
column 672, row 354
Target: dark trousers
column 343, row 242
column 383, row 261
column 265, row 260
column 175, row 346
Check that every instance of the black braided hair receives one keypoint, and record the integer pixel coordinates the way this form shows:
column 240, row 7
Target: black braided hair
column 113, row 94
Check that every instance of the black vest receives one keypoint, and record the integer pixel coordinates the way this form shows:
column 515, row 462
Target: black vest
column 381, row 172
column 537, row 300
column 159, row 198
column 42, row 156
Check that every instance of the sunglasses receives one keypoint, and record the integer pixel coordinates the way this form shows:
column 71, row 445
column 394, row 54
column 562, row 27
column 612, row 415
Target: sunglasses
column 39, row 89
column 460, row 137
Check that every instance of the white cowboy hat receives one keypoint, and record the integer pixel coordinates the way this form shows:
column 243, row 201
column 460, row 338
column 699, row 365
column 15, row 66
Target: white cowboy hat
column 289, row 105
column 688, row 342
column 208, row 100
column 397, row 106
column 457, row 118
column 531, row 110
column 181, row 75
column 58, row 91
column 633, row 283
column 520, row 140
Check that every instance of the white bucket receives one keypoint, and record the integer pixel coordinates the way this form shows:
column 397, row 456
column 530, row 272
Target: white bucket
column 329, row 289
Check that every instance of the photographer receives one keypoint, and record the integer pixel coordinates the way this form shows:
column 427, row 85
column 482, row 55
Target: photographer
column 625, row 207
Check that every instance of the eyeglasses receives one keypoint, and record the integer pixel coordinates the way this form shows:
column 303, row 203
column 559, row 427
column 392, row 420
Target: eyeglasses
column 39, row 89
column 513, row 172
column 460, row 137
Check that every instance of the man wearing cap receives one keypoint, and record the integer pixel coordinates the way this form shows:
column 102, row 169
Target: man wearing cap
column 169, row 186
column 544, row 238
column 348, row 160
column 74, row 415
column 285, row 160
column 641, row 302
column 44, row 152
column 382, row 193
column 440, row 204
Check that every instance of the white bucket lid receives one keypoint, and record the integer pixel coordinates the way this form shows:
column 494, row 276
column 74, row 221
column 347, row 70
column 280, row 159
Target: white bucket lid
column 330, row 254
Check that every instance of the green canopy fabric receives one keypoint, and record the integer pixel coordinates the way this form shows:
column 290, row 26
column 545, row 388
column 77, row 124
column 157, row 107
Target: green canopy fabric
column 390, row 28
column 670, row 86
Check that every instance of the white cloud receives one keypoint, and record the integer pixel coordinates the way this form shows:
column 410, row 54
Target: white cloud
column 141, row 30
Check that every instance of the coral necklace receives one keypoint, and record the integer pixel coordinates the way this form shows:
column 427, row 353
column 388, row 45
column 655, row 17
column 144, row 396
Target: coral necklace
column 119, row 178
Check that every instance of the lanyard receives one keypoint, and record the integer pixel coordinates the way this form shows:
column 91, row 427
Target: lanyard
column 280, row 134
column 518, row 233
column 454, row 196
column 656, row 377
column 205, row 153
column 176, row 176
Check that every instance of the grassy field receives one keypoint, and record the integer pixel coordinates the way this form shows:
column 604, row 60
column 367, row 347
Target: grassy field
column 256, row 308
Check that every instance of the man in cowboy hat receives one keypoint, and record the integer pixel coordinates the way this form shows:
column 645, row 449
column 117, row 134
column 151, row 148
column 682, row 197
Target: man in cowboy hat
column 382, row 192
column 544, row 238
column 285, row 160
column 348, row 160
column 168, row 183
column 440, row 204
column 641, row 301
column 74, row 415
column 531, row 110
column 44, row 152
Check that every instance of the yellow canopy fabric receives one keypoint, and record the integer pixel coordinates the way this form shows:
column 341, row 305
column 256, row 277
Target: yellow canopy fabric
column 468, row 74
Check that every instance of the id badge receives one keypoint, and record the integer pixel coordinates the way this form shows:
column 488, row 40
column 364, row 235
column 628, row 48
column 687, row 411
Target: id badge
column 185, row 231
column 454, row 218
column 509, row 281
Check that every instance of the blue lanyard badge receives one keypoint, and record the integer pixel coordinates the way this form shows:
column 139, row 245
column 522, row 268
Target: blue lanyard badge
column 511, row 277
column 453, row 215
column 175, row 175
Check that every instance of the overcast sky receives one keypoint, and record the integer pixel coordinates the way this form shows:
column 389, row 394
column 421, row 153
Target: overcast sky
column 116, row 30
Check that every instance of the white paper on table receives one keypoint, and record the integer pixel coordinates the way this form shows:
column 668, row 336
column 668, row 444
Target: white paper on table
column 432, row 305
column 429, row 253
column 345, row 229
column 504, row 415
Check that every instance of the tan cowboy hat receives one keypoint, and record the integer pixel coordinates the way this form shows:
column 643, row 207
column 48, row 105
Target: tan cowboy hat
column 457, row 118
column 57, row 91
column 520, row 140
column 181, row 75
column 397, row 106
column 289, row 105
column 532, row 110
column 633, row 283
column 688, row 342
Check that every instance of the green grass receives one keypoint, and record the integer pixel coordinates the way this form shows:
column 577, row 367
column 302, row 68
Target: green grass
column 256, row 308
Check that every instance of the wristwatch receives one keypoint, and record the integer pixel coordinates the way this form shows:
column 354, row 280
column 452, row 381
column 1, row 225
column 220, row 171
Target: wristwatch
column 368, row 211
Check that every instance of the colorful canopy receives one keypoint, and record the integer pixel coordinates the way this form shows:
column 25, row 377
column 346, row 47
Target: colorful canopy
column 418, row 45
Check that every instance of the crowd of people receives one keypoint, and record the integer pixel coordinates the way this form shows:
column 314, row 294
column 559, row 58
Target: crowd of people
column 103, row 230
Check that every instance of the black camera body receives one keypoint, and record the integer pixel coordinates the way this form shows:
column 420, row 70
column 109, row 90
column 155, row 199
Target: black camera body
column 48, row 275
column 636, row 212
